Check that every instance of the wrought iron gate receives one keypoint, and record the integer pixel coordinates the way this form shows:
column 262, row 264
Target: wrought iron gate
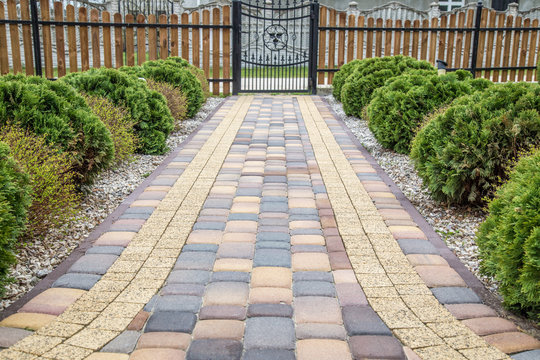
column 275, row 46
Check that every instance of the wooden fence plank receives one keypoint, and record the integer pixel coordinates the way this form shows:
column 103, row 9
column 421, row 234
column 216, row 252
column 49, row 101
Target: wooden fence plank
column 425, row 39
column 532, row 44
column 72, row 39
column 141, row 40
column 523, row 48
column 322, row 45
column 60, row 47
column 341, row 40
column 27, row 39
column 96, row 48
column 468, row 36
column 4, row 60
column 433, row 41
column 369, row 38
column 459, row 41
column 331, row 46
column 226, row 50
column 489, row 46
column 118, row 42
column 507, row 50
column 481, row 41
column 216, row 18
column 163, row 38
column 450, row 42
column 185, row 35
column 360, row 38
column 397, row 38
column 174, row 36
column 152, row 38
column 388, row 38
column 498, row 46
column 416, row 35
column 107, row 47
column 407, row 38
column 442, row 38
column 130, row 41
column 515, row 48
column 14, row 36
column 195, row 40
column 47, row 39
column 378, row 38
column 206, row 43
column 350, row 39
column 83, row 38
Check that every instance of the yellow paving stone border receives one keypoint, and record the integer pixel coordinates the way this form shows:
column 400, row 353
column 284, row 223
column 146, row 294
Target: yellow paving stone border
column 106, row 310
column 391, row 284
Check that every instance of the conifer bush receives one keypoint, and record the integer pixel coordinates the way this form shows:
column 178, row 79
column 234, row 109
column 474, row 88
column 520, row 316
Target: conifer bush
column 341, row 76
column 176, row 100
column 148, row 109
column 509, row 239
column 463, row 154
column 14, row 202
column 54, row 195
column 398, row 108
column 54, row 109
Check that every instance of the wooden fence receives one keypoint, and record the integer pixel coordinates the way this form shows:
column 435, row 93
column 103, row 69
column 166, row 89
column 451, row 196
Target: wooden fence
column 506, row 48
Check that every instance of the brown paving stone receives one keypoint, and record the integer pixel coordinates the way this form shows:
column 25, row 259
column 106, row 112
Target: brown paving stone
column 115, row 238
column 304, row 224
column 317, row 309
column 394, row 214
column 270, row 295
column 161, row 354
column 27, row 320
column 227, row 312
column 307, row 240
column 168, row 340
column 512, row 342
column 233, row 264
column 328, row 221
column 219, row 329
column 138, row 321
column 339, row 260
column 350, row 294
column 302, row 203
column 205, row 237
column 334, row 243
column 426, row 259
column 323, row 204
column 243, row 250
column 322, row 349
column 226, row 293
column 344, row 276
column 245, row 207
column 152, row 195
column 145, row 203
column 107, row 356
column 407, row 232
column 469, row 311
column 241, row 226
column 490, row 325
column 52, row 301
column 271, row 277
column 439, row 276
column 375, row 347
column 239, row 237
column 310, row 262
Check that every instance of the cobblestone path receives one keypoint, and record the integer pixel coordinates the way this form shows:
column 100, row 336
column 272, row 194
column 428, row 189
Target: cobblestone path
column 268, row 236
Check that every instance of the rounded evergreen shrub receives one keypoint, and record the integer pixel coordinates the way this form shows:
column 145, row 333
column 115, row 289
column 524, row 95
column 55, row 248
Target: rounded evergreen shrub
column 148, row 109
column 397, row 109
column 358, row 89
column 14, row 202
column 175, row 72
column 54, row 109
column 340, row 76
column 176, row 100
column 463, row 154
column 509, row 239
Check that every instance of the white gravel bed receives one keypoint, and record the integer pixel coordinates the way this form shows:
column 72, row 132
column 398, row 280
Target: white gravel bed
column 455, row 225
column 37, row 259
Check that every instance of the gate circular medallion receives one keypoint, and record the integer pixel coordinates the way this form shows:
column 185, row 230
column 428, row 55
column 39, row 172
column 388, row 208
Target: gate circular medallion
column 275, row 37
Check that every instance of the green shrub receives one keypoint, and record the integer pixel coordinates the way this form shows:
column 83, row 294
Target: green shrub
column 344, row 72
column 148, row 109
column 397, row 109
column 371, row 74
column 174, row 71
column 118, row 122
column 52, row 108
column 176, row 100
column 509, row 239
column 14, row 202
column 463, row 154
column 54, row 191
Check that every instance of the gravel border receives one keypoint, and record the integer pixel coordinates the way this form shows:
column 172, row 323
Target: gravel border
column 37, row 259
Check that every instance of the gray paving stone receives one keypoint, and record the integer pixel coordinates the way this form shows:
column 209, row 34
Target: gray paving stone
column 242, row 216
column 140, row 216
column 188, row 277
column 362, row 320
column 308, row 248
column 272, row 245
column 209, row 225
column 112, row 250
column 77, row 281
column 306, row 232
column 313, row 288
column 376, row 346
column 235, row 276
column 243, row 191
column 217, row 204
column 184, row 303
column 304, row 218
column 320, row 331
column 149, row 307
column 269, row 332
column 276, row 310
column 455, row 295
column 93, row 264
column 274, row 207
column 272, row 257
column 183, row 289
column 274, row 199
column 273, row 236
column 229, row 312
column 123, row 343
column 313, row 276
column 275, row 179
column 200, row 247
column 195, row 261
column 215, row 349
column 9, row 336
column 140, row 210
column 174, row 321
column 125, row 227
column 164, row 181
column 527, row 355
column 417, row 246
column 273, row 222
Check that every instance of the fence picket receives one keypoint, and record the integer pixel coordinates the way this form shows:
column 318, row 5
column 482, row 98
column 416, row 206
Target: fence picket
column 226, row 50
column 433, row 41
column 96, row 51
column 468, row 35
column 532, row 47
column 506, row 54
column 152, row 37
column 425, row 39
column 185, row 35
column 322, row 45
column 195, row 40
column 442, row 39
column 107, row 48
column 515, row 48
column 350, row 39
column 369, row 38
column 215, row 49
column 206, row 44
column 4, row 60
column 341, row 40
column 498, row 46
column 388, row 38
column 459, row 41
column 118, row 42
column 27, row 38
column 481, row 41
column 72, row 39
column 332, row 45
column 174, row 35
column 59, row 30
column 450, row 41
column 163, row 38
column 83, row 37
column 14, row 37
column 47, row 39
column 397, row 38
column 407, row 38
column 141, row 40
column 378, row 38
column 523, row 49
column 130, row 41
column 360, row 38
column 489, row 46
column 416, row 25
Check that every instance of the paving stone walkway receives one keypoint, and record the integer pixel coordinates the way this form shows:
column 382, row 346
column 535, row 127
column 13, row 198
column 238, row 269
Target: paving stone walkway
column 268, row 236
